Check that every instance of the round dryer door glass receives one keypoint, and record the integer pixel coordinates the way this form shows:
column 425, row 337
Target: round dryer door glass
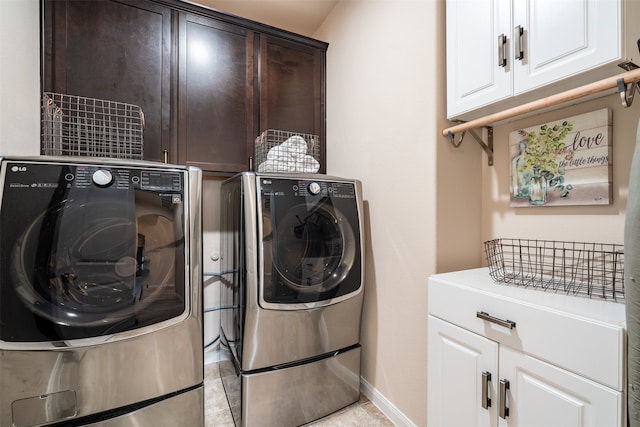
column 314, row 248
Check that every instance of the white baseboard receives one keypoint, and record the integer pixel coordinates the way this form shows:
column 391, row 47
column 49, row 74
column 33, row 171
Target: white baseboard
column 385, row 406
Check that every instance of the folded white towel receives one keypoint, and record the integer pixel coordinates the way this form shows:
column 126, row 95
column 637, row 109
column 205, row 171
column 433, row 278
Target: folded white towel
column 271, row 165
column 290, row 156
column 307, row 164
column 278, row 152
column 267, row 166
column 296, row 146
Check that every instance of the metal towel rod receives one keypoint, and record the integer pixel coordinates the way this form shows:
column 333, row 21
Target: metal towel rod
column 626, row 83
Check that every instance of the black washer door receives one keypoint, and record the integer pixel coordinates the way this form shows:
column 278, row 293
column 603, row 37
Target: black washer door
column 311, row 243
column 79, row 259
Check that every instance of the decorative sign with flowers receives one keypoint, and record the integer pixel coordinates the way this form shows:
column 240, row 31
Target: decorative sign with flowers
column 567, row 162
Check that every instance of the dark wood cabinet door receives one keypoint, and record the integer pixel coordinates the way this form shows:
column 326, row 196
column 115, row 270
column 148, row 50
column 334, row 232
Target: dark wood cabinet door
column 118, row 51
column 292, row 89
column 208, row 83
column 216, row 95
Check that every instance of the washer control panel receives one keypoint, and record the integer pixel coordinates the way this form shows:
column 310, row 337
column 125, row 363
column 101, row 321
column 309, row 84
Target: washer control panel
column 102, row 177
column 48, row 176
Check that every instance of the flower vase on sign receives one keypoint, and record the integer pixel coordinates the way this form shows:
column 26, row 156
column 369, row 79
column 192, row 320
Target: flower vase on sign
column 544, row 149
column 537, row 188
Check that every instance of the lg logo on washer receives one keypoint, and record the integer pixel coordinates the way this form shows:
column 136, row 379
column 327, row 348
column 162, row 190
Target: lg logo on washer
column 18, row 169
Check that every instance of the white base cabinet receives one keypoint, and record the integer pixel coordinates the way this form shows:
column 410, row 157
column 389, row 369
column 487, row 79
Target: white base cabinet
column 541, row 394
column 505, row 371
column 457, row 360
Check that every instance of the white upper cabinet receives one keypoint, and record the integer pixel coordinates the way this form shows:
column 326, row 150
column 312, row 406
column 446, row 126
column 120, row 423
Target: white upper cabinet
column 474, row 75
column 561, row 38
column 502, row 53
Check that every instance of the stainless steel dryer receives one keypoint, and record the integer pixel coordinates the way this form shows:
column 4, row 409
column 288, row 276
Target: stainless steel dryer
column 292, row 257
column 100, row 293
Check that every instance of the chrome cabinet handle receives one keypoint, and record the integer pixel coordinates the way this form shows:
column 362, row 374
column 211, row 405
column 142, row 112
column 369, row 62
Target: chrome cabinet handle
column 165, row 156
column 486, row 316
column 503, row 411
column 519, row 53
column 502, row 47
column 486, row 400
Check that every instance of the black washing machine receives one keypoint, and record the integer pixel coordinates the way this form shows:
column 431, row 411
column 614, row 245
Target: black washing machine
column 100, row 296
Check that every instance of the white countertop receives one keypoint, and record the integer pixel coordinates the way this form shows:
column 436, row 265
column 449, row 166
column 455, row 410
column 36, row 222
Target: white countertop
column 479, row 280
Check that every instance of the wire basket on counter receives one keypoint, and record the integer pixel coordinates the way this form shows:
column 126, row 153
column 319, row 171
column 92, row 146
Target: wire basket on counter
column 78, row 126
column 595, row 270
column 289, row 152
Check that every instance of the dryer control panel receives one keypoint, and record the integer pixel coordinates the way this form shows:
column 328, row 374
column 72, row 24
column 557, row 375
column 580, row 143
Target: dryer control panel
column 306, row 188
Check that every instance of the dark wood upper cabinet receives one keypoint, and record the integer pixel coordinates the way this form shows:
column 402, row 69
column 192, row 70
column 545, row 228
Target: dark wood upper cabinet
column 118, row 51
column 291, row 89
column 216, row 94
column 208, row 83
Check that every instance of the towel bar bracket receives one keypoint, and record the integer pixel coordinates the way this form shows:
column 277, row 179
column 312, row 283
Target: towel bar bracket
column 627, row 91
column 486, row 146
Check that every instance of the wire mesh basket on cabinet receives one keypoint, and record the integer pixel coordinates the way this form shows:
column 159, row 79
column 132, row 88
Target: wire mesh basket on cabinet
column 78, row 126
column 285, row 151
column 595, row 270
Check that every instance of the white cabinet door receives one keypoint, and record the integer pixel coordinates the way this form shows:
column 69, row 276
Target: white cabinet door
column 560, row 39
column 457, row 360
column 564, row 37
column 474, row 77
column 540, row 394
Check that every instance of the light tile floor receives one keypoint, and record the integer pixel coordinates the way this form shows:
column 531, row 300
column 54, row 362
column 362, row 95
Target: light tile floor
column 218, row 414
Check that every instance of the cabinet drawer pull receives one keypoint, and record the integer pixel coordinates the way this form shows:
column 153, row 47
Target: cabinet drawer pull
column 165, row 156
column 519, row 50
column 486, row 400
column 502, row 51
column 486, row 316
column 504, row 411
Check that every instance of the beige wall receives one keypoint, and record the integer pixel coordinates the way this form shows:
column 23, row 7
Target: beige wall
column 385, row 106
column 19, row 77
column 604, row 224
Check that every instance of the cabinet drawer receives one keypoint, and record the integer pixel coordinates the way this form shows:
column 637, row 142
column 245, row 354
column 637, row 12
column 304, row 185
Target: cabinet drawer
column 581, row 335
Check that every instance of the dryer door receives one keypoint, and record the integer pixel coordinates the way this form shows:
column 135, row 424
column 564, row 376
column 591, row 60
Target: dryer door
column 310, row 243
column 87, row 251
